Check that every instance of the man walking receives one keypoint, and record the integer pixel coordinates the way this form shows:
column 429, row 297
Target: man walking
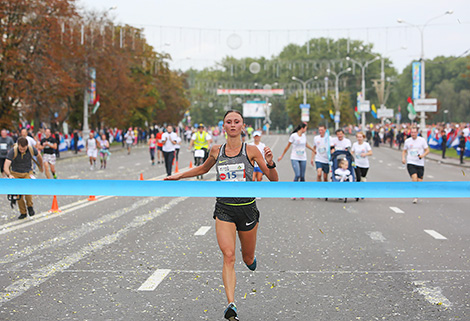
column 20, row 158
column 414, row 151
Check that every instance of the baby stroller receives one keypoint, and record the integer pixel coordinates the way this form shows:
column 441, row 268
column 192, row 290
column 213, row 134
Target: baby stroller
column 335, row 159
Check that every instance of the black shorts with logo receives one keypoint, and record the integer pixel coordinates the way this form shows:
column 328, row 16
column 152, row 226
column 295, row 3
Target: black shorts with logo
column 415, row 169
column 245, row 217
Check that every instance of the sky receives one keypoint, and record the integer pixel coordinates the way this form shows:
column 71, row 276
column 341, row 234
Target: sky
column 198, row 33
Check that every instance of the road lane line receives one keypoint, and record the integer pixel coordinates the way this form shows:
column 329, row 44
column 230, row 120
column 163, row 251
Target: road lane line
column 432, row 294
column 203, row 230
column 436, row 235
column 40, row 276
column 154, row 280
column 396, row 210
column 376, row 236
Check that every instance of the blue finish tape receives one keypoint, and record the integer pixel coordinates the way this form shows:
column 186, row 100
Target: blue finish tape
column 235, row 189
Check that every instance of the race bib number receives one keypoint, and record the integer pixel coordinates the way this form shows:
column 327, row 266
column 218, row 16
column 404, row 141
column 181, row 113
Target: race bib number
column 3, row 146
column 322, row 150
column 232, row 173
column 413, row 152
column 300, row 152
column 199, row 153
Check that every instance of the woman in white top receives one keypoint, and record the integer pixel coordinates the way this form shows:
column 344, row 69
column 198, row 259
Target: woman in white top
column 298, row 156
column 361, row 150
column 257, row 173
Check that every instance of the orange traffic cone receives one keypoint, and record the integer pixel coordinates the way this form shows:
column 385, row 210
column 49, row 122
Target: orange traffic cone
column 55, row 206
column 92, row 198
column 176, row 168
column 141, row 176
column 190, row 164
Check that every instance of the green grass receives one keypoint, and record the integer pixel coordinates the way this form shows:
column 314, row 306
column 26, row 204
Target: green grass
column 450, row 152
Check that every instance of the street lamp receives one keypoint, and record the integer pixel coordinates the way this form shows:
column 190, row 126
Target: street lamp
column 336, row 100
column 421, row 31
column 363, row 66
column 304, row 84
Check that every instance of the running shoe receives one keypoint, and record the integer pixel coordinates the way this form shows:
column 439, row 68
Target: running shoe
column 252, row 266
column 415, row 201
column 55, row 176
column 31, row 211
column 22, row 216
column 230, row 312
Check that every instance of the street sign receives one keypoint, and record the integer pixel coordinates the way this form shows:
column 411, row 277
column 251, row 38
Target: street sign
column 364, row 107
column 307, row 106
column 337, row 117
column 385, row 113
column 426, row 105
column 305, row 115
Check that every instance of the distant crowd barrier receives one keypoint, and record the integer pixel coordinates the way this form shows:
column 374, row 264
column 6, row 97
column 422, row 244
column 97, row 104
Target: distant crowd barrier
column 235, row 189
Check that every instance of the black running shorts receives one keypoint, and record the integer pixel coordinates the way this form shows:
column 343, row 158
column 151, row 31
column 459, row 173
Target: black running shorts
column 415, row 169
column 245, row 217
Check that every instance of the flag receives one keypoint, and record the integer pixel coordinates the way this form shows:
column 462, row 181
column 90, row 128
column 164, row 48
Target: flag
column 410, row 106
column 357, row 114
column 332, row 115
column 373, row 111
column 96, row 103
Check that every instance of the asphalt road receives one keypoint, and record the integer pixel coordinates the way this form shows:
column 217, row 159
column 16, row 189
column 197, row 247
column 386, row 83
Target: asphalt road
column 141, row 258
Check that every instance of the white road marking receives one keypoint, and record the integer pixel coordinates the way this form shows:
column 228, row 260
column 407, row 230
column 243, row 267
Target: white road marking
column 432, row 294
column 376, row 236
column 154, row 280
column 74, row 176
column 389, row 164
column 381, row 161
column 40, row 276
column 430, row 176
column 203, row 230
column 137, row 164
column 396, row 210
column 436, row 235
column 121, row 167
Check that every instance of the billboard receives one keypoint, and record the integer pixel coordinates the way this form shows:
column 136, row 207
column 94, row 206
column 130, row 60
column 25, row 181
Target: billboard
column 255, row 109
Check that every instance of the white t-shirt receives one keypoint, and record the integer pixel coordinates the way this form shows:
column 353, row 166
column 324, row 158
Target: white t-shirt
column 178, row 142
column 168, row 146
column 358, row 150
column 129, row 137
column 466, row 132
column 321, row 144
column 91, row 142
column 298, row 146
column 340, row 144
column 31, row 141
column 343, row 175
column 261, row 147
column 415, row 147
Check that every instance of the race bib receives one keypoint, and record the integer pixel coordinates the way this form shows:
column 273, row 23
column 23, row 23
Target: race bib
column 413, row 152
column 199, row 153
column 232, row 172
column 3, row 146
column 300, row 152
column 322, row 150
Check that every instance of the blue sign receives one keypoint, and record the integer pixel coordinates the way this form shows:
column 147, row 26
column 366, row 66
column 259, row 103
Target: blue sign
column 416, row 75
column 305, row 106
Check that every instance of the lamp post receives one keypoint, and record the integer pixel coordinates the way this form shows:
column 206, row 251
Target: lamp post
column 336, row 100
column 423, row 73
column 363, row 66
column 304, row 84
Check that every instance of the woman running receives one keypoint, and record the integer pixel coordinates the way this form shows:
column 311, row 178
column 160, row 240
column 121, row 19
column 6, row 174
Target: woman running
column 298, row 156
column 152, row 146
column 104, row 151
column 257, row 173
column 234, row 161
column 361, row 150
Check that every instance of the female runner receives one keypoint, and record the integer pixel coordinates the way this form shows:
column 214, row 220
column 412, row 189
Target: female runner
column 234, row 161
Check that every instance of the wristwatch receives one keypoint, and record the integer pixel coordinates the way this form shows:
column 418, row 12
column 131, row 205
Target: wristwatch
column 271, row 166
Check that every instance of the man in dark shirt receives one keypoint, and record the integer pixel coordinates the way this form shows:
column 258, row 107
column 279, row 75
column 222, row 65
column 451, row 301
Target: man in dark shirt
column 48, row 145
column 462, row 142
column 6, row 142
column 22, row 167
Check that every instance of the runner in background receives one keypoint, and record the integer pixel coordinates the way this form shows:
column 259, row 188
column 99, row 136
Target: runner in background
column 320, row 156
column 152, row 142
column 361, row 150
column 158, row 137
column 104, row 151
column 257, row 173
column 92, row 150
column 48, row 145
